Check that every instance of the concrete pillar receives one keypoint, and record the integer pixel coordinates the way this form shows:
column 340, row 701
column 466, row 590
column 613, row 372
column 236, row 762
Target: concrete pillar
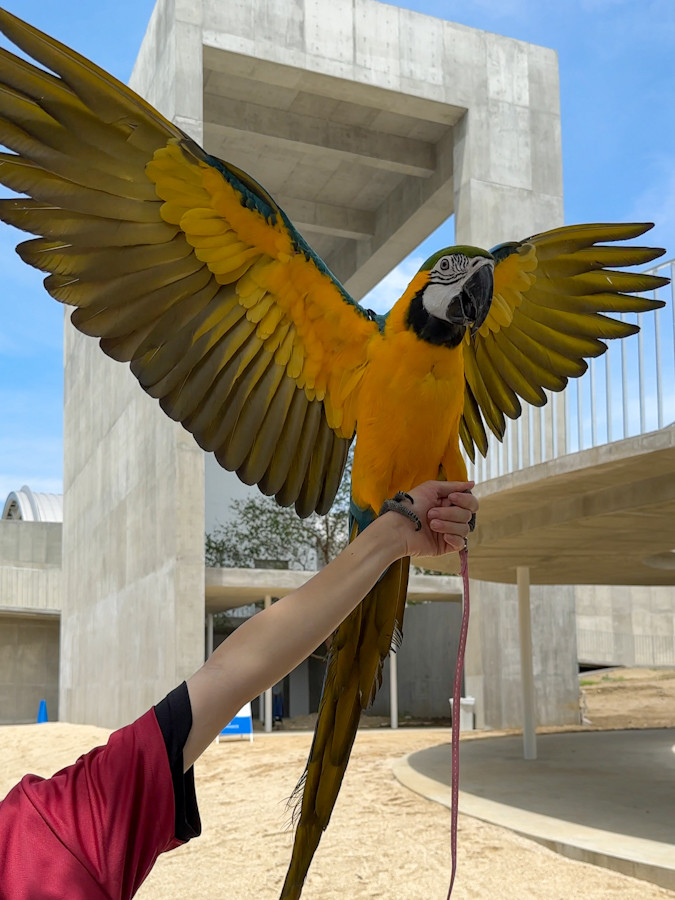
column 268, row 692
column 507, row 154
column 393, row 689
column 474, row 679
column 209, row 635
column 526, row 664
column 168, row 71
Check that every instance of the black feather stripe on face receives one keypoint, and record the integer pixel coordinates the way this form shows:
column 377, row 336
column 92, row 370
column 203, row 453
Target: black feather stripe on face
column 430, row 329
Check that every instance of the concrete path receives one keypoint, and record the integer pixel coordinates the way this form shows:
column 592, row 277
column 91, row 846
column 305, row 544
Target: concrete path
column 602, row 797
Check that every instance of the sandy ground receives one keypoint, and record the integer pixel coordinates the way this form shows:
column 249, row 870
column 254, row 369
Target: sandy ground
column 383, row 841
column 630, row 698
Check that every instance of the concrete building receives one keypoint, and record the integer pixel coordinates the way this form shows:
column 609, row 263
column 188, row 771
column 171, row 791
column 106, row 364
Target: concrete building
column 30, row 605
column 369, row 144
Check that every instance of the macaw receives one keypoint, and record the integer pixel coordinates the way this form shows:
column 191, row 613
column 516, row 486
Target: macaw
column 185, row 267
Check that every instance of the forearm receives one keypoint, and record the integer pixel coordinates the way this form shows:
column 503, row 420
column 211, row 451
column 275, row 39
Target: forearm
column 299, row 622
column 272, row 643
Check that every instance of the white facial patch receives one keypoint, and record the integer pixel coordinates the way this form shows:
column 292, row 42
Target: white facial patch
column 437, row 298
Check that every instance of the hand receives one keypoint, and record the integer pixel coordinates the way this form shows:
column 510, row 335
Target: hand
column 444, row 508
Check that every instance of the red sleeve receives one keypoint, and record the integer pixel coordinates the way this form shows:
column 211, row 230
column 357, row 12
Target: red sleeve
column 112, row 812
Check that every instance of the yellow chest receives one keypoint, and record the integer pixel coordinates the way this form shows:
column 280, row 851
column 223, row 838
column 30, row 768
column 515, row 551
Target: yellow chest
column 408, row 414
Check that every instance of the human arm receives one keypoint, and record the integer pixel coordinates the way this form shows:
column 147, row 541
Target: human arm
column 272, row 643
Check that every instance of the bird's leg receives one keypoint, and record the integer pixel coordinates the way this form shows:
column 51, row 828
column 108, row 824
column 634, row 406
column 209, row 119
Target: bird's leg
column 396, row 504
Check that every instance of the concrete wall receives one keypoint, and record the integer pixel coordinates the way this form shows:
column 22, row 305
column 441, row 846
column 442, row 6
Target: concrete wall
column 29, row 667
column 133, row 549
column 626, row 626
column 30, row 566
column 30, row 600
column 426, row 662
column 298, row 690
column 221, row 488
column 492, row 673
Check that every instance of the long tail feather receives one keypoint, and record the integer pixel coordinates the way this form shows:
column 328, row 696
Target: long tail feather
column 354, row 674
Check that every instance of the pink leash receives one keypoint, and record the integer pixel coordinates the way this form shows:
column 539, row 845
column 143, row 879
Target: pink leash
column 456, row 694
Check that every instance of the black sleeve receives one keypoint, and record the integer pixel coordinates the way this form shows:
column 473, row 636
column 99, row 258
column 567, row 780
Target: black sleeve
column 174, row 715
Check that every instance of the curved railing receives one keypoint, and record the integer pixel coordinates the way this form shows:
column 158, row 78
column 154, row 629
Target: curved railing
column 630, row 390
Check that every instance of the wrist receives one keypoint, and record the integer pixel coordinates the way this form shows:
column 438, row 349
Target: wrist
column 393, row 531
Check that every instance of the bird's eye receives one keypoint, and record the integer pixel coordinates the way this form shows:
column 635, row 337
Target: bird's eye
column 444, row 264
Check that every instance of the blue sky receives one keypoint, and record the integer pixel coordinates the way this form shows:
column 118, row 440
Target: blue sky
column 617, row 81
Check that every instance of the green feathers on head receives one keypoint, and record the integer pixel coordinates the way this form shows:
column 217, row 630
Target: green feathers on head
column 465, row 250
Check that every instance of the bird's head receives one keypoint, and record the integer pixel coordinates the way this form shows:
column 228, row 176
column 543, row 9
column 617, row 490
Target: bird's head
column 456, row 294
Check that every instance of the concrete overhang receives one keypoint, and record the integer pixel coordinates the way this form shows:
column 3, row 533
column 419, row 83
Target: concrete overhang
column 354, row 142
column 600, row 516
column 229, row 588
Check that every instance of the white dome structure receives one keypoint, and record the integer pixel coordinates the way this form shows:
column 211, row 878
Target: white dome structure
column 29, row 506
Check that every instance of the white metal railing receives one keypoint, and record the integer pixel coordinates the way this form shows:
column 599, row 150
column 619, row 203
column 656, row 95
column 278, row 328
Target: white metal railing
column 629, row 390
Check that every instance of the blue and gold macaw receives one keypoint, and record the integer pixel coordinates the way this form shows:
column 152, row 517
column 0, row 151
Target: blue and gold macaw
column 185, row 267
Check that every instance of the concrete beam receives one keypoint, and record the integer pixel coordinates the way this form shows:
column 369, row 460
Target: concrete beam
column 229, row 588
column 406, row 156
column 405, row 218
column 29, row 612
column 325, row 218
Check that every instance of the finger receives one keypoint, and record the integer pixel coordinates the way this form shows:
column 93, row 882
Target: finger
column 449, row 514
column 441, row 526
column 454, row 542
column 445, row 488
column 465, row 500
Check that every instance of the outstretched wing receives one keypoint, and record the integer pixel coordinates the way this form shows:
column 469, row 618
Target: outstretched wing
column 184, row 266
column 550, row 293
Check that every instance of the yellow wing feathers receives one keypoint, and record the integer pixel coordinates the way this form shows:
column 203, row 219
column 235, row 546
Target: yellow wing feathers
column 183, row 267
column 546, row 315
column 299, row 314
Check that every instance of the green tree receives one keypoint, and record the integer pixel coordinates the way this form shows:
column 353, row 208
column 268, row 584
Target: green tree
column 260, row 529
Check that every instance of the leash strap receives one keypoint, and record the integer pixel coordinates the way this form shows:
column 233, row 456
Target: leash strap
column 456, row 695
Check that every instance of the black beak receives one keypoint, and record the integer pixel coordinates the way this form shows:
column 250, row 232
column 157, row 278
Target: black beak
column 473, row 304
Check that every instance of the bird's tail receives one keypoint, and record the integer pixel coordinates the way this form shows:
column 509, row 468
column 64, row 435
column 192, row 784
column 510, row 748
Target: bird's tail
column 353, row 677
